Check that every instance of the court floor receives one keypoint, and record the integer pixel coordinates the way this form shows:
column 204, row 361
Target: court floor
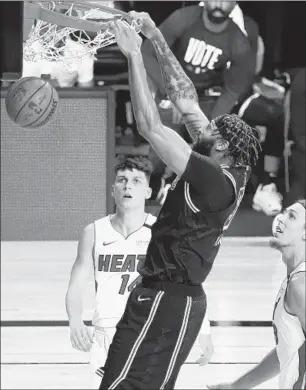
column 35, row 346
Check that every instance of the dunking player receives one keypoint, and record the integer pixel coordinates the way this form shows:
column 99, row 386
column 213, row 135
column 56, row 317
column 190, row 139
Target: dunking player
column 288, row 357
column 164, row 313
column 113, row 245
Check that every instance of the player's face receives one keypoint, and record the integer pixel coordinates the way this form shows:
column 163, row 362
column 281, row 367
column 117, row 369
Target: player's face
column 289, row 227
column 208, row 140
column 219, row 11
column 131, row 189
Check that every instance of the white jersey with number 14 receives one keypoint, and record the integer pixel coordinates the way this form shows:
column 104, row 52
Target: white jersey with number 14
column 115, row 267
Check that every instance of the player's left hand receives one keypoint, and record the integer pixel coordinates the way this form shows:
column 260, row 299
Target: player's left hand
column 127, row 38
column 145, row 22
column 207, row 347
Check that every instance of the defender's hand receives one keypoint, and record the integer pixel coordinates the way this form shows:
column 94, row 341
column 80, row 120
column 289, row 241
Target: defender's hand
column 207, row 347
column 144, row 22
column 127, row 38
column 81, row 336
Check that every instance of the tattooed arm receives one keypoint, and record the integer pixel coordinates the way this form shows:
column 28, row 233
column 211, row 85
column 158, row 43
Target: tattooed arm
column 169, row 146
column 179, row 87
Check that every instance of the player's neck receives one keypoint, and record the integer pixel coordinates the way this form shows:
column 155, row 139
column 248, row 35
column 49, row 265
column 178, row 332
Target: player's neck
column 128, row 221
column 293, row 257
column 224, row 159
column 213, row 27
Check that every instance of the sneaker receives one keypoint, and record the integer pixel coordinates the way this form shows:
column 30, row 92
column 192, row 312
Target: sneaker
column 267, row 200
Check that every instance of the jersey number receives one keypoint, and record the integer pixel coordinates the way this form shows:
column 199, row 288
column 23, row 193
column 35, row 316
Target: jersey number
column 231, row 216
column 125, row 283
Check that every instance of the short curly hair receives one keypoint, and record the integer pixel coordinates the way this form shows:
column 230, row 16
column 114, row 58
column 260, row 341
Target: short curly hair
column 244, row 144
column 140, row 163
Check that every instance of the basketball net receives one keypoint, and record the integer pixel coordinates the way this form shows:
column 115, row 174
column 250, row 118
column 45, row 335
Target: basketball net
column 66, row 32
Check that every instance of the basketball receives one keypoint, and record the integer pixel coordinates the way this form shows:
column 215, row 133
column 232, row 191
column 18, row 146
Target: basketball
column 31, row 102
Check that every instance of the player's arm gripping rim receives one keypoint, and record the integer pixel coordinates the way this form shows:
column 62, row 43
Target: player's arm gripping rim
column 80, row 335
column 179, row 87
column 170, row 147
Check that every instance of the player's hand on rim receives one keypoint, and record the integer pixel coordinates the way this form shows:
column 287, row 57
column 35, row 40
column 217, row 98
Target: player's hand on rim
column 81, row 336
column 145, row 23
column 127, row 38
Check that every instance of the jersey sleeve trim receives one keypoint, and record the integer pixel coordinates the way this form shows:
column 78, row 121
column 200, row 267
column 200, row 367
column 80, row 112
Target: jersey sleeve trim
column 188, row 198
column 231, row 177
column 187, row 189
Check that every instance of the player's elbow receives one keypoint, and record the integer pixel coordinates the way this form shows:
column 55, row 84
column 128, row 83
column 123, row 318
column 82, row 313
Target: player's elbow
column 148, row 125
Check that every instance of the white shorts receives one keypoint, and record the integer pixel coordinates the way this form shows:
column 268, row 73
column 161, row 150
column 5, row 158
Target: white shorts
column 102, row 339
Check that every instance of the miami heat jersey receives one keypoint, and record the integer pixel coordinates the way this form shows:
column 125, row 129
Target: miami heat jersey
column 290, row 339
column 116, row 259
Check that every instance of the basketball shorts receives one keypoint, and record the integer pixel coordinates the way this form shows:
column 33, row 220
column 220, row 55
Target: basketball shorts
column 154, row 336
column 102, row 339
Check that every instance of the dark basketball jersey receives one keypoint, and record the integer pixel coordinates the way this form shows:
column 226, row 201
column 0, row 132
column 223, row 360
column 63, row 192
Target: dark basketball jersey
column 186, row 239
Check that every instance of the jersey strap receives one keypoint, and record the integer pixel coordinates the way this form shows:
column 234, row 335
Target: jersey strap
column 149, row 222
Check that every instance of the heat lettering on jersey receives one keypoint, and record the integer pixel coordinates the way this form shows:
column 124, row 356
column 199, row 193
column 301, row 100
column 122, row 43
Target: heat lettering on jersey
column 119, row 263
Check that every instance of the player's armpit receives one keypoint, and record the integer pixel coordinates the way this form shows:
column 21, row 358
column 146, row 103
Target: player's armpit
column 295, row 297
column 170, row 147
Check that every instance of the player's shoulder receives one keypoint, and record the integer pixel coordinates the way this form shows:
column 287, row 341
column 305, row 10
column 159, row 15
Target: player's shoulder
column 102, row 224
column 297, row 281
column 295, row 294
column 89, row 228
column 87, row 234
column 238, row 175
column 102, row 220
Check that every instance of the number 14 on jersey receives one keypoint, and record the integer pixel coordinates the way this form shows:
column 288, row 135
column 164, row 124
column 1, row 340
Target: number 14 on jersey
column 127, row 285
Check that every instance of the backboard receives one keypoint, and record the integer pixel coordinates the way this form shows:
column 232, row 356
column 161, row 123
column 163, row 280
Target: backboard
column 11, row 40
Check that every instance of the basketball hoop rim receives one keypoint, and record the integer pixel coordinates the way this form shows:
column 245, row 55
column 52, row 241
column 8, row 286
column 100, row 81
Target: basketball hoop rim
column 34, row 11
column 46, row 30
